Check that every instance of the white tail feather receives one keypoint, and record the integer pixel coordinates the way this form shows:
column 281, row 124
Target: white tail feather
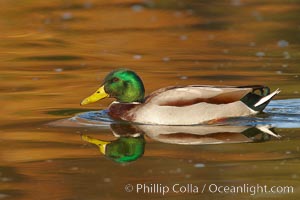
column 266, row 129
column 267, row 98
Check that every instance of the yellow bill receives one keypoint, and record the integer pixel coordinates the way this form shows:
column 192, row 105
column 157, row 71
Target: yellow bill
column 100, row 143
column 99, row 94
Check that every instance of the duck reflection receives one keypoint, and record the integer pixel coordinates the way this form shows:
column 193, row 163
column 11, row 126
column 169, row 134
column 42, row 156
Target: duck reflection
column 130, row 142
column 193, row 135
column 128, row 146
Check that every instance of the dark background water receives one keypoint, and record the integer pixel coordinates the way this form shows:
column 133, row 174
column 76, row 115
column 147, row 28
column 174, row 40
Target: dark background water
column 55, row 53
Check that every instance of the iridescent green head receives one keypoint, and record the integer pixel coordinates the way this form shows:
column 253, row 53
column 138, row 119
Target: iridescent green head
column 123, row 84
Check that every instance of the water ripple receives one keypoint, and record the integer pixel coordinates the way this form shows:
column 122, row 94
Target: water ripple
column 279, row 113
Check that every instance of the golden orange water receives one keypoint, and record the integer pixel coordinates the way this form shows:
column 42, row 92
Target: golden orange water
column 55, row 53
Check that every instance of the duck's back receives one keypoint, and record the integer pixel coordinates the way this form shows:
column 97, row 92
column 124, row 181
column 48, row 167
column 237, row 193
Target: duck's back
column 188, row 95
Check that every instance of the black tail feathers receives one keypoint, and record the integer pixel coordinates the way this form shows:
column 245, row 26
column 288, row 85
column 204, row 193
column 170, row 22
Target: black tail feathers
column 259, row 98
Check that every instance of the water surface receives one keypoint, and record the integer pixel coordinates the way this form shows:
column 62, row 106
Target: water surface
column 55, row 53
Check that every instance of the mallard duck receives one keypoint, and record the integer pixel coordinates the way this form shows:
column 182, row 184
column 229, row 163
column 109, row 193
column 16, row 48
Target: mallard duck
column 178, row 105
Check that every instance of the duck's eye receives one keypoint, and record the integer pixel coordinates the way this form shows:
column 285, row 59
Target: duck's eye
column 115, row 79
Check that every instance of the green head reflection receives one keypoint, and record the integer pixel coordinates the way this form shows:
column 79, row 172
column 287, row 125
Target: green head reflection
column 126, row 149
column 122, row 150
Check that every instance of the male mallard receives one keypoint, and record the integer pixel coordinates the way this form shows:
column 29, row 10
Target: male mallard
column 178, row 105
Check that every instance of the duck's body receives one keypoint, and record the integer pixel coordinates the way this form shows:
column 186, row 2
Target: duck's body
column 189, row 105
column 186, row 105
